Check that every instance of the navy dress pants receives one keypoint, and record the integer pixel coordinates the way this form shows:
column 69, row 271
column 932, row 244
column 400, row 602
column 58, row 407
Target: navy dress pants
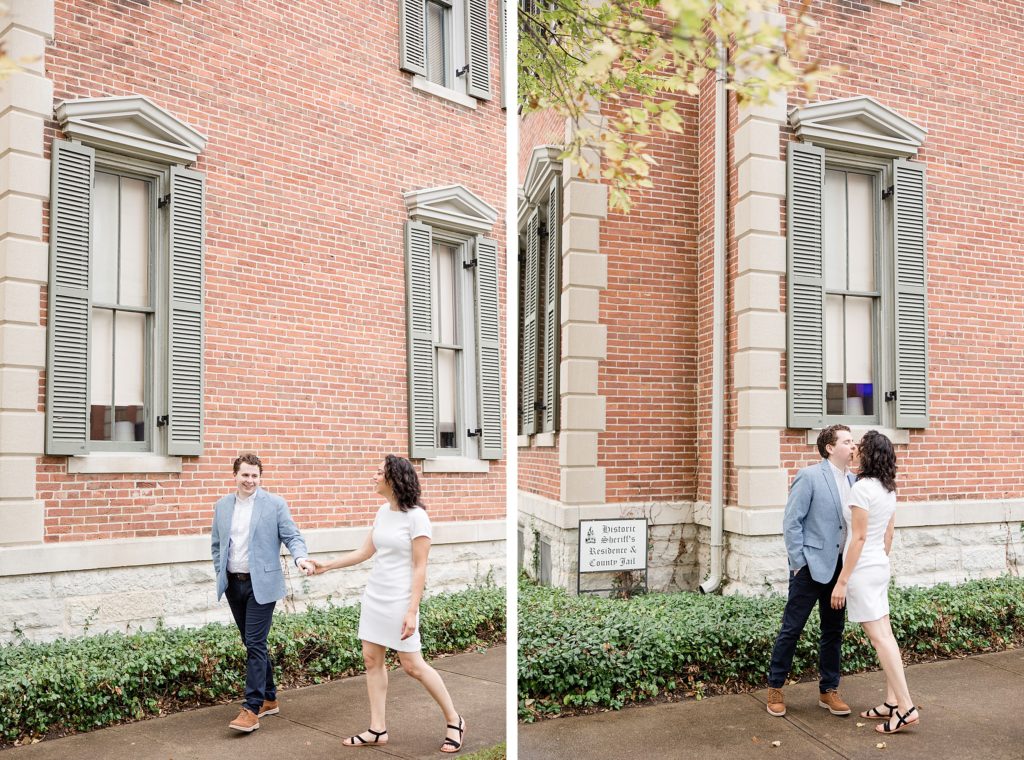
column 804, row 592
column 253, row 620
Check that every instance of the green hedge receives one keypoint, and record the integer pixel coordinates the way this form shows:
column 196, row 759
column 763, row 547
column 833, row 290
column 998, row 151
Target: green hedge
column 584, row 651
column 86, row 683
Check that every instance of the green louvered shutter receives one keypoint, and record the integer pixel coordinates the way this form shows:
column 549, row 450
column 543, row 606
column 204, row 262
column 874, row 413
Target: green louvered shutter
column 530, row 326
column 805, row 285
column 420, row 326
column 412, row 45
column 478, row 49
column 488, row 342
column 185, row 341
column 67, row 376
column 911, row 294
column 552, row 293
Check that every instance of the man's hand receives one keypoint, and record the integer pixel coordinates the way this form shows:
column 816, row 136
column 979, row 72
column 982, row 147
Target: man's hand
column 409, row 625
column 307, row 566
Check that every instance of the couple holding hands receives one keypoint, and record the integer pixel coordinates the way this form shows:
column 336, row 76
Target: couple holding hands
column 249, row 527
column 838, row 529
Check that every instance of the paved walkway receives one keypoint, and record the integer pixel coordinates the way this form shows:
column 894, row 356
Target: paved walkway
column 970, row 709
column 311, row 724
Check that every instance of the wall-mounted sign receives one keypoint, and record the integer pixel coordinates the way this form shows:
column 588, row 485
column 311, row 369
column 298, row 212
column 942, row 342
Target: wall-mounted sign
column 609, row 546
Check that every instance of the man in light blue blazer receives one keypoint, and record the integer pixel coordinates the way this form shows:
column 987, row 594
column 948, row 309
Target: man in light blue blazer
column 815, row 534
column 249, row 527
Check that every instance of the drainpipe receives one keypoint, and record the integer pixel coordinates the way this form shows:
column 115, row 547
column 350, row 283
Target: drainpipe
column 714, row 580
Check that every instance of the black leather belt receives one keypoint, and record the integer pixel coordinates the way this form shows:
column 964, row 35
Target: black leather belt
column 239, row 576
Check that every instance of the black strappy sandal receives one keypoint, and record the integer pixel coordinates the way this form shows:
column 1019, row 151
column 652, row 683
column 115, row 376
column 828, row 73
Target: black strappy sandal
column 901, row 722
column 873, row 712
column 359, row 741
column 455, row 745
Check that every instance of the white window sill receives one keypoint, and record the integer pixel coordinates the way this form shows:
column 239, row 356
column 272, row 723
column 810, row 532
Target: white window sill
column 544, row 440
column 893, row 434
column 891, row 2
column 523, row 441
column 143, row 464
column 425, row 85
column 456, row 464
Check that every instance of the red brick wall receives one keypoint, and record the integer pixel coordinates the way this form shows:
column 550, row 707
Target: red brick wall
column 314, row 134
column 651, row 309
column 955, row 69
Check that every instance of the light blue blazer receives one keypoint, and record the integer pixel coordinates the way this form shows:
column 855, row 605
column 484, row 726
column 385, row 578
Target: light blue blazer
column 271, row 526
column 813, row 522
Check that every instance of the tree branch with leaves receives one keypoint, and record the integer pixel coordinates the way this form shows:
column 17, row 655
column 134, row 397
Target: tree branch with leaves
column 624, row 68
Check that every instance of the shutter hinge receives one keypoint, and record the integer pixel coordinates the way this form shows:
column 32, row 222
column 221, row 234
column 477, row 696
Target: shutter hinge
column 890, row 395
column 463, row 71
column 163, row 201
column 474, row 433
column 163, row 420
column 469, row 264
column 887, row 193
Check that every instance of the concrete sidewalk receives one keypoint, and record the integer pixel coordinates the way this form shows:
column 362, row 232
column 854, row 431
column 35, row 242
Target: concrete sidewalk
column 311, row 724
column 970, row 709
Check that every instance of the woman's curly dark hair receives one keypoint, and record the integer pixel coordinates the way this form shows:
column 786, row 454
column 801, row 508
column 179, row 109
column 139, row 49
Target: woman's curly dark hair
column 401, row 476
column 877, row 459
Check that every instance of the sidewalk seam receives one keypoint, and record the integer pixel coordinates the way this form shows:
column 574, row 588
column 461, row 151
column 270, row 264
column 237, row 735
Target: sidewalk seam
column 805, row 730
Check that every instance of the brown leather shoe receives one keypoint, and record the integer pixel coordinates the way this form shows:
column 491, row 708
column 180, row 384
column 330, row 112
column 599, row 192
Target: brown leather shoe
column 831, row 701
column 269, row 707
column 247, row 721
column 776, row 703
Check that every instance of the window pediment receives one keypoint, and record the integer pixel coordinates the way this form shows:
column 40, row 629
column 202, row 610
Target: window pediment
column 132, row 125
column 544, row 163
column 861, row 125
column 452, row 207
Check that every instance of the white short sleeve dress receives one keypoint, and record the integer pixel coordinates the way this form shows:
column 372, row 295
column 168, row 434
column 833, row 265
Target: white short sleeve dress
column 386, row 598
column 867, row 593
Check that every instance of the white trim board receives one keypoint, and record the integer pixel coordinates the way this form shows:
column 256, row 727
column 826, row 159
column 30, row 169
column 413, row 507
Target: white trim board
column 69, row 556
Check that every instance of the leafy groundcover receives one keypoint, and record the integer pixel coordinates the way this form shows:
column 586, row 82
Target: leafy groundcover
column 95, row 681
column 583, row 652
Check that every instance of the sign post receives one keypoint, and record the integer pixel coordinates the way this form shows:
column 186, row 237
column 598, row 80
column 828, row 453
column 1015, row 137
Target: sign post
column 612, row 546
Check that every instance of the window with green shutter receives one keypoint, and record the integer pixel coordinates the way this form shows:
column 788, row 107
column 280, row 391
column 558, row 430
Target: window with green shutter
column 454, row 332
column 539, row 319
column 446, row 45
column 125, row 313
column 856, row 289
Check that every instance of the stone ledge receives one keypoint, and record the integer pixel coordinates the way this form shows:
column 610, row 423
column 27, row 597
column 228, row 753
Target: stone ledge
column 96, row 555
column 567, row 516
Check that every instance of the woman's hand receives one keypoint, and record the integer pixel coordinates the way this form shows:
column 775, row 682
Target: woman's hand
column 409, row 624
column 319, row 568
column 839, row 595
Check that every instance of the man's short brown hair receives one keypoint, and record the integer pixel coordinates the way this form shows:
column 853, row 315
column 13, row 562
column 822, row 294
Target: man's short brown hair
column 827, row 437
column 247, row 459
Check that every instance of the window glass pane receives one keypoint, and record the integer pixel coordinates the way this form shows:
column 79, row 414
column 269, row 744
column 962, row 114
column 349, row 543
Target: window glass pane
column 445, row 311
column 861, row 240
column 436, row 44
column 859, row 356
column 446, row 398
column 129, row 376
column 834, row 220
column 104, row 238
column 834, row 339
column 101, row 376
column 134, row 263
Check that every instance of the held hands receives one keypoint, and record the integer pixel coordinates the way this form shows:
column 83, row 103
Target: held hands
column 839, row 595
column 409, row 625
column 308, row 566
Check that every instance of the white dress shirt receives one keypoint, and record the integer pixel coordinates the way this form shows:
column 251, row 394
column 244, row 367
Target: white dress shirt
column 842, row 483
column 238, row 547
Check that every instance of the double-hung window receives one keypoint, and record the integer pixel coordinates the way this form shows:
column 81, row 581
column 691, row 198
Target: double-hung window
column 124, row 364
column 453, row 332
column 539, row 320
column 446, row 45
column 856, row 290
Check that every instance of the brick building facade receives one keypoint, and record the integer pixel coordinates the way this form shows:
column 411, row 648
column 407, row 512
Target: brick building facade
column 240, row 204
column 912, row 153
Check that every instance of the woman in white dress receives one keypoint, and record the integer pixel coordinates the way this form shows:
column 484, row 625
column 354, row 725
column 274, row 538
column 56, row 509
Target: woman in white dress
column 863, row 584
column 389, row 617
